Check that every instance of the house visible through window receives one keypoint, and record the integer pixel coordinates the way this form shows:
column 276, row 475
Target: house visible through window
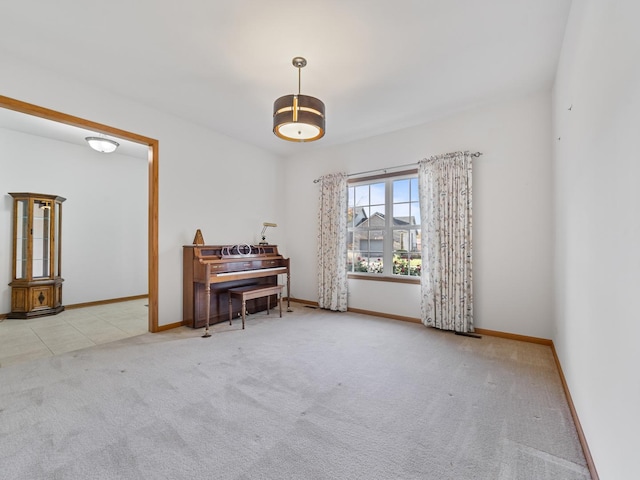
column 383, row 220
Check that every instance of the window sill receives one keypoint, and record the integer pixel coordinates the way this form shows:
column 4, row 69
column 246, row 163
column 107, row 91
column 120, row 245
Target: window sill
column 384, row 278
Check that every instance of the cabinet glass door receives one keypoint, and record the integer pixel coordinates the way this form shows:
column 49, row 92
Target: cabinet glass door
column 22, row 238
column 41, row 238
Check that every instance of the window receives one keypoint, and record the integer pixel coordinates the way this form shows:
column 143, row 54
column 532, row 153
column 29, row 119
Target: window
column 383, row 221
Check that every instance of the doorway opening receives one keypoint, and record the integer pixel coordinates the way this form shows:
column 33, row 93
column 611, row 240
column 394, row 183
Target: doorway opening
column 152, row 144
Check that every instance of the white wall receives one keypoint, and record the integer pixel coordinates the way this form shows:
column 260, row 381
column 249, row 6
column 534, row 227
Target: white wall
column 512, row 211
column 596, row 168
column 104, row 229
column 206, row 180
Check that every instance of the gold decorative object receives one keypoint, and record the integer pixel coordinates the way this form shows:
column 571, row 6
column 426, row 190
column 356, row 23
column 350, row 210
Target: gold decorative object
column 198, row 239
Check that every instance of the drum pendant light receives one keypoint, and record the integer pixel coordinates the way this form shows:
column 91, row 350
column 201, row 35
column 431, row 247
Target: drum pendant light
column 298, row 118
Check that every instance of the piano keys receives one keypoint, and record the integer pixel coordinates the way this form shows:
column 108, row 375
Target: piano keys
column 210, row 270
column 262, row 272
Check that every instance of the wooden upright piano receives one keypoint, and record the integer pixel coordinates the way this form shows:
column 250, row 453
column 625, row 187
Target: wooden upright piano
column 210, row 270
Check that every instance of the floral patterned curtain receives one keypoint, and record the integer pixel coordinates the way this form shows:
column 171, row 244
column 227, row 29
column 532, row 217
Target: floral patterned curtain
column 446, row 200
column 332, row 242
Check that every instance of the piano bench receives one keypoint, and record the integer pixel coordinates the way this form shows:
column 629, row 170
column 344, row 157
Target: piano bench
column 250, row 292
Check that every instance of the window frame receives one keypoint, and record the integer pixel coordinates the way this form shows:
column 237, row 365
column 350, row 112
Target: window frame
column 389, row 228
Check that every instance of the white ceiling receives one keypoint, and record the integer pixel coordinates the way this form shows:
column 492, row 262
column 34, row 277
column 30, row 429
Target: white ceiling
column 378, row 65
column 64, row 133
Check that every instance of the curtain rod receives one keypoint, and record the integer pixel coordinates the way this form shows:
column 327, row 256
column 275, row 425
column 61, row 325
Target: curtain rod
column 384, row 170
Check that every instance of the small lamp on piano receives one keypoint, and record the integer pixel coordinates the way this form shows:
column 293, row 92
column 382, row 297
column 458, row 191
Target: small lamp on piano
column 266, row 225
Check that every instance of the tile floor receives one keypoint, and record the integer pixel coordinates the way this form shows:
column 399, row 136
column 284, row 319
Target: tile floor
column 23, row 340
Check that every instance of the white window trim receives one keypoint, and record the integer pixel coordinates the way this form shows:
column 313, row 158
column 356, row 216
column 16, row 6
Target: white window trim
column 389, row 229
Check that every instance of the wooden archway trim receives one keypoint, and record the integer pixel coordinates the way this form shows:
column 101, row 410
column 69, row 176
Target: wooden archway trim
column 30, row 109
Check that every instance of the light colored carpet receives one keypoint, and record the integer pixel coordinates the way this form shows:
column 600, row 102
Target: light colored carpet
column 312, row 395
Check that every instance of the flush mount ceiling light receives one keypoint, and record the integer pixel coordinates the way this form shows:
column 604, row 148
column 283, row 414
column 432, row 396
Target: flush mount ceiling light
column 298, row 118
column 102, row 144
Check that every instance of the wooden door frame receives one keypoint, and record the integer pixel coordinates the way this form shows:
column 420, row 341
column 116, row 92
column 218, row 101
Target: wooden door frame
column 30, row 109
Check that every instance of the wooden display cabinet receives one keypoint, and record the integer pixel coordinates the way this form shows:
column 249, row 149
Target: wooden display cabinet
column 36, row 289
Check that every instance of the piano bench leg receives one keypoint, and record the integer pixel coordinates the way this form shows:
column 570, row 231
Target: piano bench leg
column 230, row 310
column 244, row 311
